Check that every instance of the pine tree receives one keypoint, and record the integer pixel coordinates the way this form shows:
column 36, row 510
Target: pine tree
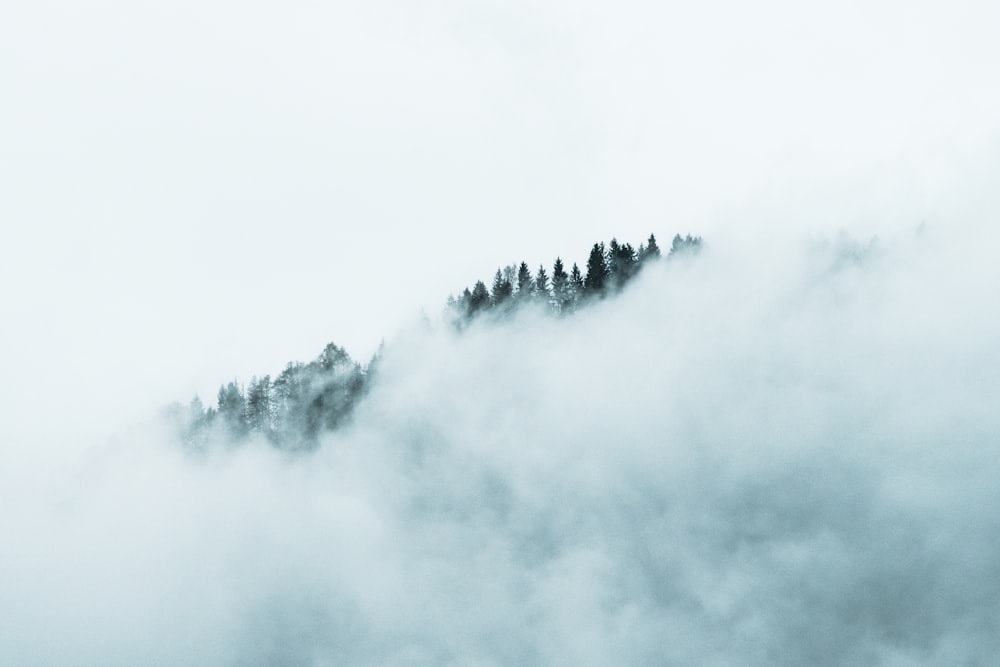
column 685, row 245
column 258, row 405
column 596, row 281
column 542, row 285
column 503, row 289
column 576, row 286
column 232, row 410
column 289, row 392
column 612, row 257
column 622, row 265
column 333, row 359
column 458, row 308
column 651, row 251
column 560, row 287
column 371, row 370
column 510, row 273
column 479, row 299
column 525, row 285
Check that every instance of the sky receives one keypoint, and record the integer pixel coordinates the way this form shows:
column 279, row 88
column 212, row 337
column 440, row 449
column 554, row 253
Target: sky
column 208, row 190
column 789, row 455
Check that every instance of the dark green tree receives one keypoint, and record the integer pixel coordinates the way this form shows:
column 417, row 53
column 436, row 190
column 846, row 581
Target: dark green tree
column 503, row 289
column 576, row 278
column 560, row 287
column 542, row 285
column 622, row 263
column 525, row 285
column 479, row 299
column 576, row 286
column 596, row 281
column 651, row 251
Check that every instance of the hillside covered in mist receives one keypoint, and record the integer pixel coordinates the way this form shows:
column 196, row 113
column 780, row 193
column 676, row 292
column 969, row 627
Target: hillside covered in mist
column 779, row 457
column 307, row 400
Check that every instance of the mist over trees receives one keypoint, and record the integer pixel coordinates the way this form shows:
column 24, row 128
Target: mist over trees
column 290, row 412
column 305, row 400
column 789, row 462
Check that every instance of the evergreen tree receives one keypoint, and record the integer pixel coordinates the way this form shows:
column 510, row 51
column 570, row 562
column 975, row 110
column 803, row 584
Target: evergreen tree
column 622, row 263
column 232, row 410
column 371, row 370
column 503, row 289
column 542, row 285
column 576, row 286
column 258, row 405
column 479, row 299
column 650, row 251
column 685, row 245
column 333, row 359
column 612, row 256
column 289, row 392
column 525, row 285
column 596, row 281
column 458, row 308
column 560, row 287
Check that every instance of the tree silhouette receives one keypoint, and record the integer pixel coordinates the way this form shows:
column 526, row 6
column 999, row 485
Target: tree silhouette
column 597, row 272
column 622, row 263
column 525, row 285
column 560, row 287
column 576, row 285
column 503, row 289
column 479, row 299
column 542, row 285
column 651, row 251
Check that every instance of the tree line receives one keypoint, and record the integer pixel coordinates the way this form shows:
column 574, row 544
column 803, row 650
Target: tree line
column 294, row 409
column 290, row 411
column 608, row 269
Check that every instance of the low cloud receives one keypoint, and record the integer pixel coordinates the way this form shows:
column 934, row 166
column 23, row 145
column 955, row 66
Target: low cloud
column 775, row 457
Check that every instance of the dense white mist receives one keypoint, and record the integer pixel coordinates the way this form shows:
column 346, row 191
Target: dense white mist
column 778, row 454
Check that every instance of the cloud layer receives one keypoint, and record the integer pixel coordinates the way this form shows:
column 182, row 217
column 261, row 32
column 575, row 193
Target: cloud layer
column 784, row 455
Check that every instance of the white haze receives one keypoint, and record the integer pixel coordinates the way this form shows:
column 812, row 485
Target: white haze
column 774, row 455
column 784, row 452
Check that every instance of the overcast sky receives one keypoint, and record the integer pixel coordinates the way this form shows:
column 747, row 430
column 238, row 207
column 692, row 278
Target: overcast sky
column 196, row 191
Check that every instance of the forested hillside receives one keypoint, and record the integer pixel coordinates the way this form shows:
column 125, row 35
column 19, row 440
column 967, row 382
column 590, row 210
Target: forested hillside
column 306, row 400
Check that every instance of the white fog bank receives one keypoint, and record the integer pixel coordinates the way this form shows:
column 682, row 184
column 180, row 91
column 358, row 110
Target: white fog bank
column 779, row 455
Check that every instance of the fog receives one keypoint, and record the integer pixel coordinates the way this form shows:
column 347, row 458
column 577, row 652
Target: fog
column 779, row 452
column 782, row 454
